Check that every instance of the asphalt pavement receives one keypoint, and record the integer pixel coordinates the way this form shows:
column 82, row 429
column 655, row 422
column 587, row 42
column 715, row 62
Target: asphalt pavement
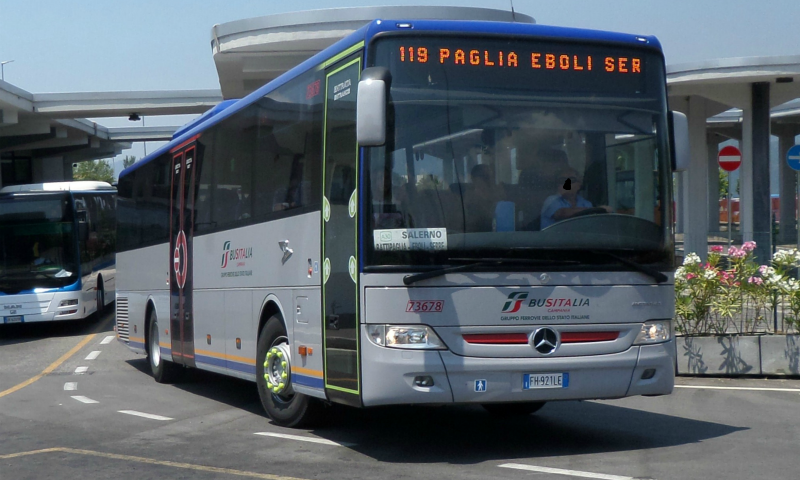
column 76, row 403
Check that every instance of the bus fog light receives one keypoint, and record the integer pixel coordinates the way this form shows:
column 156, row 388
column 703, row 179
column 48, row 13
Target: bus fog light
column 418, row 337
column 67, row 303
column 655, row 331
column 648, row 374
column 423, row 381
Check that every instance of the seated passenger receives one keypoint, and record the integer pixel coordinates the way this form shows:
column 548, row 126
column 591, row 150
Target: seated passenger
column 567, row 202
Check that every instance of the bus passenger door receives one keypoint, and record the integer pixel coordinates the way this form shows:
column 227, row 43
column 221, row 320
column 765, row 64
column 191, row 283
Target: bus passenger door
column 181, row 234
column 339, row 234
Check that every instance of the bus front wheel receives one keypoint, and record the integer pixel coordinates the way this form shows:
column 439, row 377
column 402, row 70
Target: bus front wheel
column 513, row 409
column 101, row 298
column 163, row 370
column 284, row 406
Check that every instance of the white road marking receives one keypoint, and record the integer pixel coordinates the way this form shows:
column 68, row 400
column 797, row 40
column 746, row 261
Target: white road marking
column 145, row 415
column 306, row 439
column 107, row 340
column 81, row 370
column 754, row 389
column 83, row 399
column 560, row 471
column 93, row 355
column 71, row 386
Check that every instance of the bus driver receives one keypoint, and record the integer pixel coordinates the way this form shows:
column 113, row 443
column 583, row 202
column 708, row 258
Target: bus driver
column 567, row 202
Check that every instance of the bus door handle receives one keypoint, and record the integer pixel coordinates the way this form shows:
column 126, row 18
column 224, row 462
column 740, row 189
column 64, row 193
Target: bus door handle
column 333, row 322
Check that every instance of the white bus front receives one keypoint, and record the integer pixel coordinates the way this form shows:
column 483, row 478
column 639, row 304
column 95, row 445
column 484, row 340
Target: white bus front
column 517, row 240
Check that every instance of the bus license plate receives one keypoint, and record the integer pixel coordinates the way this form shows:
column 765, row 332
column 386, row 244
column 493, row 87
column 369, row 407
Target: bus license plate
column 14, row 319
column 545, row 380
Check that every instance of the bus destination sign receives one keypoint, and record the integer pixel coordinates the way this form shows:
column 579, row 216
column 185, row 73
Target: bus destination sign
column 515, row 64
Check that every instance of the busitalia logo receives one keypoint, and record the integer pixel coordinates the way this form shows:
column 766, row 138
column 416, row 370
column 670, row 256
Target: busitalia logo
column 514, row 302
column 234, row 254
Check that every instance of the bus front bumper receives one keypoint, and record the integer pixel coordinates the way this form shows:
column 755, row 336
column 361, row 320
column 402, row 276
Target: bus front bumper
column 393, row 376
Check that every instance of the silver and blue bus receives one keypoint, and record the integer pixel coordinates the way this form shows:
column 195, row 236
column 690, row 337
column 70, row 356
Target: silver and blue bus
column 427, row 212
column 57, row 250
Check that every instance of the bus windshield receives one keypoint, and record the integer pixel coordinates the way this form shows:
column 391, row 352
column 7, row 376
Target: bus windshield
column 37, row 243
column 539, row 158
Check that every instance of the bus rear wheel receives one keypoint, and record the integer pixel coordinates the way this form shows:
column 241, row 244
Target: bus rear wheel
column 513, row 409
column 284, row 406
column 163, row 370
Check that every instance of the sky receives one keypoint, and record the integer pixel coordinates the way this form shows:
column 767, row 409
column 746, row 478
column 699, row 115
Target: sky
column 102, row 45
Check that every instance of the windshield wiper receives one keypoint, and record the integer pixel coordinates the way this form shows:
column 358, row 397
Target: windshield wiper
column 482, row 262
column 652, row 272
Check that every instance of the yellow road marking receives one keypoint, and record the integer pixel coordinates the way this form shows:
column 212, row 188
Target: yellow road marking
column 32, row 452
column 50, row 368
column 151, row 461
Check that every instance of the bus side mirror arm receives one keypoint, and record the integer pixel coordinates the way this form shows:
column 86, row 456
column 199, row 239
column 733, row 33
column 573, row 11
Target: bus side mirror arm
column 679, row 141
column 371, row 106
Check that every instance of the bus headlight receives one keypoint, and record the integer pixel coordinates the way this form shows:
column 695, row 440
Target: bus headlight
column 67, row 303
column 654, row 331
column 417, row 337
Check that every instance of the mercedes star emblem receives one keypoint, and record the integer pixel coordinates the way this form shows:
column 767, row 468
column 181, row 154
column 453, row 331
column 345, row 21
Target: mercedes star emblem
column 545, row 340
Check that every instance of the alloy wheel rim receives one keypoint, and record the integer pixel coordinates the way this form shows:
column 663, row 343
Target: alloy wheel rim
column 277, row 371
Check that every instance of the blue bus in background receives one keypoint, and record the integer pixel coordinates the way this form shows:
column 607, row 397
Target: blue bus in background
column 57, row 250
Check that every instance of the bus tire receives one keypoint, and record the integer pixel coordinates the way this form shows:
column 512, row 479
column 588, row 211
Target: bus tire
column 288, row 408
column 163, row 370
column 513, row 409
column 101, row 297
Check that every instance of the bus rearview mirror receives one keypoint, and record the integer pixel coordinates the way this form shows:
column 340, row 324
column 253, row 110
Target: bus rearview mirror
column 371, row 113
column 679, row 130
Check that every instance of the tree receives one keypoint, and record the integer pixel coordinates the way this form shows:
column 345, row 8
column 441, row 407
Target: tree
column 128, row 161
column 723, row 184
column 99, row 170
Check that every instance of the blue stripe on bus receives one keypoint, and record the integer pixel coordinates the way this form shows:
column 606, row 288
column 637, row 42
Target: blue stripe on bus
column 221, row 362
column 136, row 344
column 165, row 351
column 307, row 381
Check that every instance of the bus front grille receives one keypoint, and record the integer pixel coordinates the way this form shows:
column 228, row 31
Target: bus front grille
column 122, row 319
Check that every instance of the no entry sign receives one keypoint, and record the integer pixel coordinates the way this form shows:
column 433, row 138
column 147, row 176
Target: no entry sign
column 729, row 158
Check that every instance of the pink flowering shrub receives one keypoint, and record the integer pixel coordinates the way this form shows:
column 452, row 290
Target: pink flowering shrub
column 711, row 298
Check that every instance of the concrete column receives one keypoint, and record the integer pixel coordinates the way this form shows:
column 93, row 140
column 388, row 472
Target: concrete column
column 788, row 190
column 746, row 177
column 680, row 201
column 713, row 183
column 696, row 228
column 762, row 210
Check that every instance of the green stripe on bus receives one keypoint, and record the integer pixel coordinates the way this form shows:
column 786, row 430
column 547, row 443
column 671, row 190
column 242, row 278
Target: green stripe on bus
column 342, row 55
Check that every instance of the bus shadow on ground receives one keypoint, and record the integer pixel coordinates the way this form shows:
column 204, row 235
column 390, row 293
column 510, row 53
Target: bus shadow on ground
column 231, row 391
column 469, row 435
column 30, row 332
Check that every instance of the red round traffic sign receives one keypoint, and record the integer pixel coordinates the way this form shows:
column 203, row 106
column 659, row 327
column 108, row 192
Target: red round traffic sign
column 729, row 158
